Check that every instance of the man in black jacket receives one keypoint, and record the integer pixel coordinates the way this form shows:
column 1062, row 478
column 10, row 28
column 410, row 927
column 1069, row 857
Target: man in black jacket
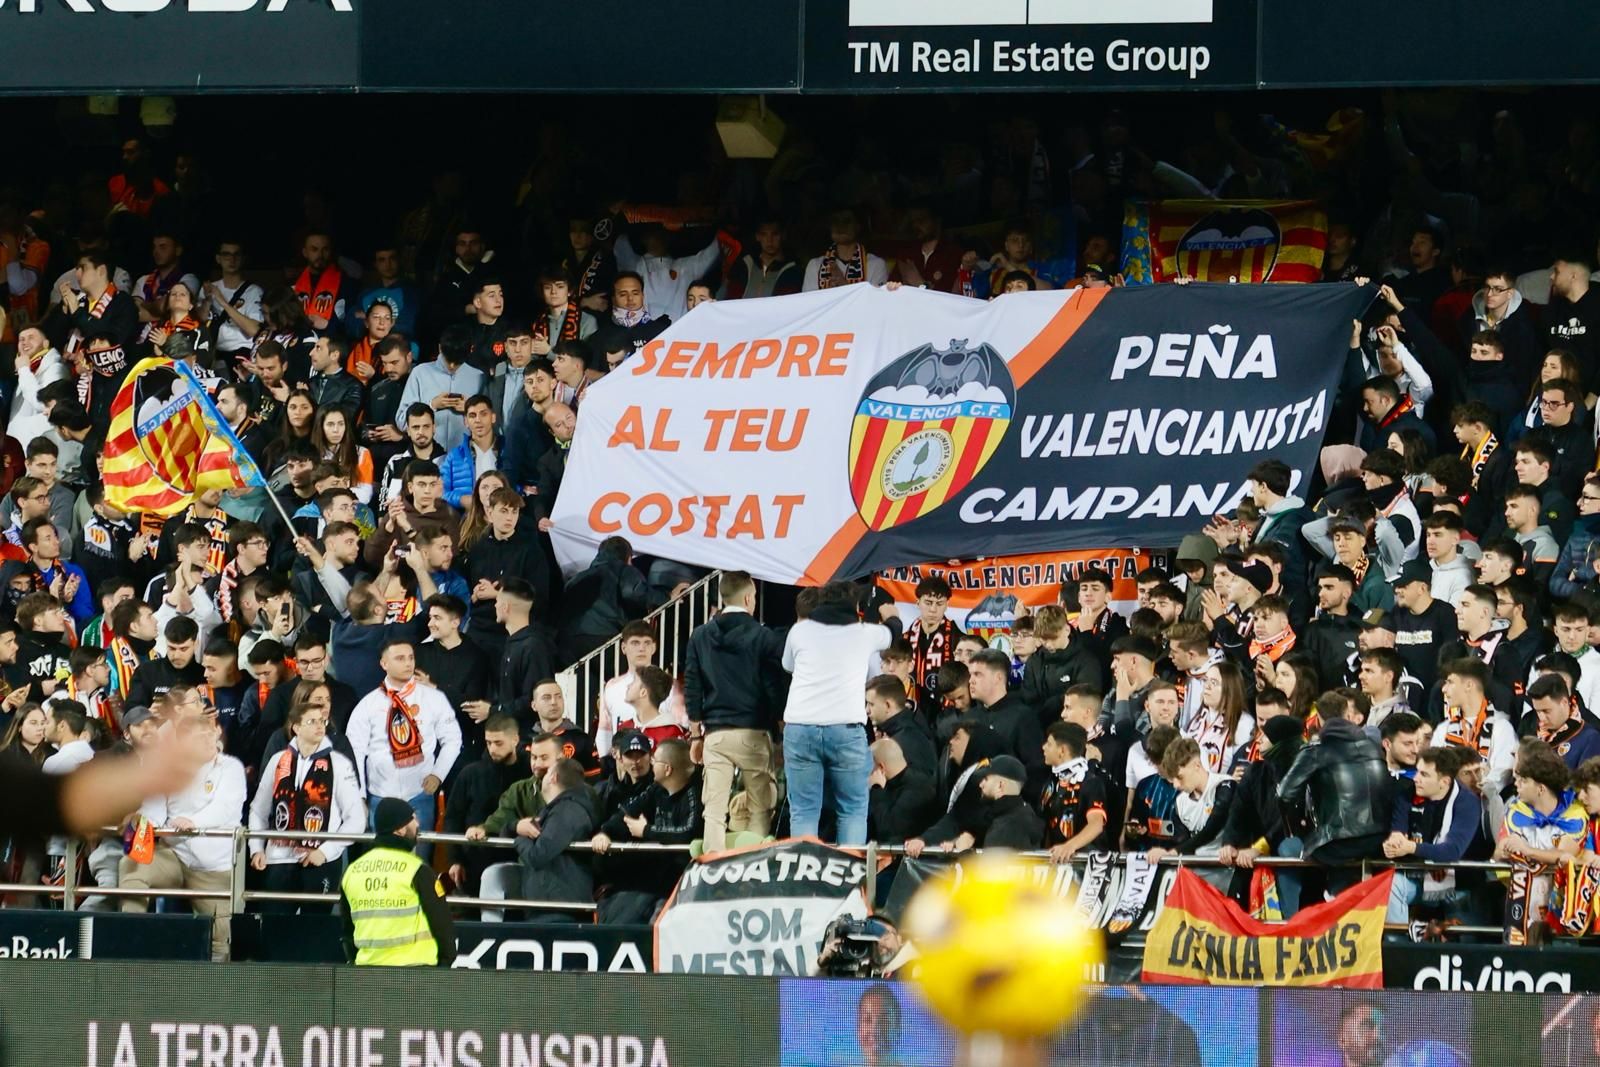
column 510, row 549
column 1014, row 721
column 527, row 656
column 477, row 792
column 460, row 670
column 1331, row 636
column 893, row 716
column 902, row 801
column 1256, row 815
column 1011, row 823
column 601, row 598
column 668, row 812
column 331, row 385
column 1062, row 661
column 180, row 665
column 630, row 751
column 549, row 870
column 1337, row 787
column 733, row 686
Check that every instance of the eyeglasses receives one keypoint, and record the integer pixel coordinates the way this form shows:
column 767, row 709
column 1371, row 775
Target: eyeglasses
column 313, row 721
column 1592, row 497
column 1498, row 289
column 257, row 542
column 1553, row 403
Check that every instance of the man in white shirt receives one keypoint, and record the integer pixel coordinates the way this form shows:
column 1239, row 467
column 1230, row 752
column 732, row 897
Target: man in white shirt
column 616, row 713
column 307, row 786
column 212, row 801
column 405, row 736
column 831, row 654
column 232, row 303
column 666, row 279
column 846, row 261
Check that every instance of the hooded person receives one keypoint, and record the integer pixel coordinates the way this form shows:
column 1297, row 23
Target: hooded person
column 1196, row 554
column 972, row 747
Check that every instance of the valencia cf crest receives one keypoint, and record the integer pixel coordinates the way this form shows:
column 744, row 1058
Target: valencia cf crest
column 315, row 820
column 1231, row 244
column 925, row 426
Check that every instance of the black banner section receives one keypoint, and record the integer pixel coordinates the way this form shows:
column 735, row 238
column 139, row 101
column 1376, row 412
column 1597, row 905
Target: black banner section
column 479, row 946
column 1144, row 423
column 188, row 46
column 26, row 934
column 113, row 1015
column 1467, row 968
column 899, row 45
column 1443, row 42
column 591, row 46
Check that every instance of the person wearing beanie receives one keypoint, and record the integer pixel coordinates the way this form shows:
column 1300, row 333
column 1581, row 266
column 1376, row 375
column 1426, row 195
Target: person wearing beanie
column 394, row 909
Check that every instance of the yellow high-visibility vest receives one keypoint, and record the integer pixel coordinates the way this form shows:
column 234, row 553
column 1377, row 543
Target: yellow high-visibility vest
column 390, row 927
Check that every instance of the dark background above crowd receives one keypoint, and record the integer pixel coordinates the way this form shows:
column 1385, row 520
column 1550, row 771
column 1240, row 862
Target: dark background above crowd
column 516, row 167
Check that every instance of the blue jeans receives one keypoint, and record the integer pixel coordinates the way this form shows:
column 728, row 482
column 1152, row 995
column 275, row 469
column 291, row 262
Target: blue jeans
column 1289, row 881
column 1407, row 889
column 423, row 805
column 831, row 758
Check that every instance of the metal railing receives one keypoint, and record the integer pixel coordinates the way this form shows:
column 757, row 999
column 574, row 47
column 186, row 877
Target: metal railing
column 72, row 894
column 581, row 683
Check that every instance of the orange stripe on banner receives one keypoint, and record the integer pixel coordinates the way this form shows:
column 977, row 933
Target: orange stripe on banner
column 827, row 562
column 1056, row 333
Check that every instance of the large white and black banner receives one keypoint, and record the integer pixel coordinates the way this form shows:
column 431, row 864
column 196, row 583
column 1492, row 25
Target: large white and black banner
column 835, row 433
column 759, row 911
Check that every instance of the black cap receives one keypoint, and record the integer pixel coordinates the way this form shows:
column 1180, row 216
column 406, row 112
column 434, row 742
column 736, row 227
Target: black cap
column 1007, row 767
column 393, row 813
column 631, row 742
column 1417, row 570
column 135, row 715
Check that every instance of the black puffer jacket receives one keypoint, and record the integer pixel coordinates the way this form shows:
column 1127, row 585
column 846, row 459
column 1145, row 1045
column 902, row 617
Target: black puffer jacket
column 1052, row 671
column 1339, row 784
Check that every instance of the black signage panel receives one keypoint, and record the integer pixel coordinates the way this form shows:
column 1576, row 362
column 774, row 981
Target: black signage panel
column 1461, row 967
column 191, row 46
column 1007, row 45
column 28, row 934
column 591, row 46
column 1441, row 42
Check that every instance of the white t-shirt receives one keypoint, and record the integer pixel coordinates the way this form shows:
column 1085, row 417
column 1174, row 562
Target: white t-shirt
column 831, row 666
column 229, row 337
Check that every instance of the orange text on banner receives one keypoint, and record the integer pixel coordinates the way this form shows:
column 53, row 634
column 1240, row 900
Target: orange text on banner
column 1203, row 938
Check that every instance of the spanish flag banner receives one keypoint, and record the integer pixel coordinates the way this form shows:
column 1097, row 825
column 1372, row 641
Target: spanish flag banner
column 1203, row 938
column 1224, row 241
column 155, row 440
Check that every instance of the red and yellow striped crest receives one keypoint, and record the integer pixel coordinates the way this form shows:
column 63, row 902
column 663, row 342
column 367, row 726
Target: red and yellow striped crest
column 924, row 428
column 1246, row 241
column 154, row 442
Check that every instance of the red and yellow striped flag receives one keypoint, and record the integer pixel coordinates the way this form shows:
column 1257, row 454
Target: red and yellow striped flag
column 155, row 440
column 1203, row 938
column 1238, row 241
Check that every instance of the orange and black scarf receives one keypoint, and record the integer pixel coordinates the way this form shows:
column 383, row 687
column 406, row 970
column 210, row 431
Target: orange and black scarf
column 405, row 736
column 1274, row 648
column 855, row 269
column 569, row 324
column 1477, row 456
column 1474, row 734
column 927, row 659
column 1395, row 412
column 304, row 807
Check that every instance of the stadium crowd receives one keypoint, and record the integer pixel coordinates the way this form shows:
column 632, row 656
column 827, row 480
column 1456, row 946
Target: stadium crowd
column 1397, row 659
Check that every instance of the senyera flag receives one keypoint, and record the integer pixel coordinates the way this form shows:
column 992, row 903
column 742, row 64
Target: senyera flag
column 1224, row 241
column 1203, row 938
column 832, row 434
column 167, row 442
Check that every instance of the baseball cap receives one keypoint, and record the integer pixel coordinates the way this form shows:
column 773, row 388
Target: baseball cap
column 1417, row 570
column 135, row 715
column 1007, row 767
column 631, row 742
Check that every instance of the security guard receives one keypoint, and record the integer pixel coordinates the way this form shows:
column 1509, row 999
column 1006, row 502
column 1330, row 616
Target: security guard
column 394, row 909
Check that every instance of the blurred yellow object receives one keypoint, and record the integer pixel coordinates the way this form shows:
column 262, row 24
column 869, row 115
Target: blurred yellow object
column 999, row 952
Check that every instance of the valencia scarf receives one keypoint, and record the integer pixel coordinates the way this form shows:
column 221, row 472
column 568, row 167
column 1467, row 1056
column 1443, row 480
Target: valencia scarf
column 855, row 268
column 405, row 736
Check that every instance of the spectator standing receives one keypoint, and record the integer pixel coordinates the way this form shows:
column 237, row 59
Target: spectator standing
column 404, row 735
column 307, row 786
column 830, row 654
column 549, row 870
column 903, row 799
column 733, row 688
column 1338, row 788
